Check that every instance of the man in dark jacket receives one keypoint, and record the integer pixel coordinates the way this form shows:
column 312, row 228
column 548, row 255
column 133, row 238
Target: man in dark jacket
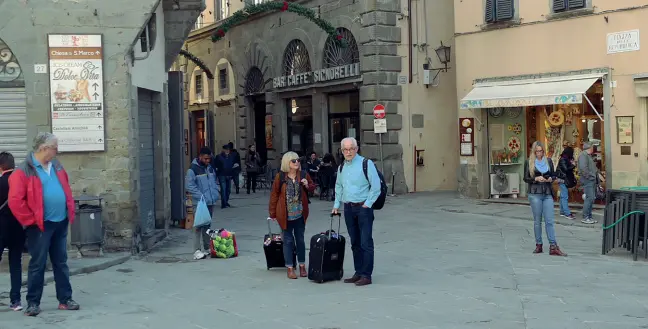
column 566, row 181
column 225, row 169
column 588, row 172
column 237, row 166
column 12, row 235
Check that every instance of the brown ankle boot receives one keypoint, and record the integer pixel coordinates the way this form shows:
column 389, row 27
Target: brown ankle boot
column 554, row 250
column 291, row 273
column 538, row 249
column 302, row 271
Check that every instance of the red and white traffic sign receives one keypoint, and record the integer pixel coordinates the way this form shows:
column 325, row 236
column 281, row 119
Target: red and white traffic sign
column 379, row 111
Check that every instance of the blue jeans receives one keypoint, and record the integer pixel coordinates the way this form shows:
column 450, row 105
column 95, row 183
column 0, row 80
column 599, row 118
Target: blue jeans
column 294, row 234
column 542, row 205
column 564, row 200
column 226, row 187
column 589, row 188
column 359, row 222
column 52, row 241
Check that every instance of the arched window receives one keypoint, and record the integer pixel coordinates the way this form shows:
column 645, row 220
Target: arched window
column 254, row 81
column 9, row 67
column 336, row 55
column 296, row 59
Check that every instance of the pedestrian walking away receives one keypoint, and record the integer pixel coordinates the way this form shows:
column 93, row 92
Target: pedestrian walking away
column 253, row 167
column 200, row 182
column 236, row 167
column 40, row 198
column 12, row 235
column 588, row 173
column 225, row 170
column 566, row 180
column 358, row 193
column 289, row 207
column 539, row 174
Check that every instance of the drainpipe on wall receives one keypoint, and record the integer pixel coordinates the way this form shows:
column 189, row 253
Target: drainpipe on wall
column 607, row 131
column 409, row 37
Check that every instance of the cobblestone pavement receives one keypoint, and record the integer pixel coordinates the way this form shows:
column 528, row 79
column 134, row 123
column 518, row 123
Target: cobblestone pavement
column 436, row 267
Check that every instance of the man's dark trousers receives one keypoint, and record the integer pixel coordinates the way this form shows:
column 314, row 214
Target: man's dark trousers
column 225, row 183
column 52, row 241
column 359, row 222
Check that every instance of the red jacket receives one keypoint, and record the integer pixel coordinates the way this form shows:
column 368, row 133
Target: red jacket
column 26, row 193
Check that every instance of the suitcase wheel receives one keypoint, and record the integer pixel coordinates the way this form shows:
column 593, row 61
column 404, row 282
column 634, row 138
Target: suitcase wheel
column 268, row 269
column 341, row 275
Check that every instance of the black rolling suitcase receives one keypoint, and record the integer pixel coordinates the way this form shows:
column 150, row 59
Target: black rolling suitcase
column 273, row 250
column 326, row 255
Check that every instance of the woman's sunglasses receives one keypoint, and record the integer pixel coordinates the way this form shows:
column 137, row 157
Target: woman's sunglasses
column 294, row 160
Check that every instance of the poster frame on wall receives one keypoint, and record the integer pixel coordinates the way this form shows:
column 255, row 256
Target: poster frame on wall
column 95, row 90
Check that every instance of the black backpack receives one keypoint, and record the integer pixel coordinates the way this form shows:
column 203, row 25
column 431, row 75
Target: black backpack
column 380, row 202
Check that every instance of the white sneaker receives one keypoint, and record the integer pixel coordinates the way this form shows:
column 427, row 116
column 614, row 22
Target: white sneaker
column 588, row 221
column 199, row 255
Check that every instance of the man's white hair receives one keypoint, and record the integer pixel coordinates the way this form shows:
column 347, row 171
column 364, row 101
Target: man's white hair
column 353, row 141
column 44, row 139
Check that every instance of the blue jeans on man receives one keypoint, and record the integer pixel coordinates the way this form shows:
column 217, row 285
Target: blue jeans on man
column 589, row 188
column 542, row 205
column 294, row 235
column 564, row 200
column 226, row 187
column 359, row 222
column 52, row 241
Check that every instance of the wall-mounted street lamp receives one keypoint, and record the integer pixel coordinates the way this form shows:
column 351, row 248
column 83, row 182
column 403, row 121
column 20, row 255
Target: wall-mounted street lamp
column 444, row 54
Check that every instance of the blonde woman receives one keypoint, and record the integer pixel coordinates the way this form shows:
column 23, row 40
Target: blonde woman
column 539, row 174
column 289, row 208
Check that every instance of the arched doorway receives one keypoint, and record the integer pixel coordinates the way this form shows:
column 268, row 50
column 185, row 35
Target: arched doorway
column 13, row 105
column 255, row 91
column 344, row 108
column 296, row 60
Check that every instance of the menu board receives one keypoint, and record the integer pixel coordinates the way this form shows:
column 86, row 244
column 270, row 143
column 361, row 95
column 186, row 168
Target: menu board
column 466, row 136
column 76, row 91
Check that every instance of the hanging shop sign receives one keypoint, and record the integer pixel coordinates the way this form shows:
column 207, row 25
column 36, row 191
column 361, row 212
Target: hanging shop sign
column 323, row 75
column 467, row 136
column 76, row 91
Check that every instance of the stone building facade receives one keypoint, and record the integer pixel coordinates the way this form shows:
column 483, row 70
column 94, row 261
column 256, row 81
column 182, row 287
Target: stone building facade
column 141, row 39
column 275, row 97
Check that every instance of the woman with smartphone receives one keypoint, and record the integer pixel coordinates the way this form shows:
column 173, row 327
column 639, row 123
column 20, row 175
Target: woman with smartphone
column 539, row 173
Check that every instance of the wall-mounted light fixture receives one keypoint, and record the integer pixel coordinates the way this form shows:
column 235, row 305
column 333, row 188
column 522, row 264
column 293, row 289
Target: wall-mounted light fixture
column 444, row 54
column 294, row 106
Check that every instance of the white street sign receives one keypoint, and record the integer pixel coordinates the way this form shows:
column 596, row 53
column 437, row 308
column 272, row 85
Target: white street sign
column 380, row 126
column 40, row 68
column 76, row 91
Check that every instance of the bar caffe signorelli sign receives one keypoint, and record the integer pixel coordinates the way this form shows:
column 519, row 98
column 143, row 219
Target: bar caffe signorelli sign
column 323, row 75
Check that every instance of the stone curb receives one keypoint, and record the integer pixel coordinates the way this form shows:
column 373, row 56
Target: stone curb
column 90, row 268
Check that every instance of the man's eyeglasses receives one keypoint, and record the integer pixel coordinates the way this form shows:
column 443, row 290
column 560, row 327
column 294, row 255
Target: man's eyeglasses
column 348, row 150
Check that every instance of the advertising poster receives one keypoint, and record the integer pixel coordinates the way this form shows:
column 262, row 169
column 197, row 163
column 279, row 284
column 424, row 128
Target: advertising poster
column 76, row 91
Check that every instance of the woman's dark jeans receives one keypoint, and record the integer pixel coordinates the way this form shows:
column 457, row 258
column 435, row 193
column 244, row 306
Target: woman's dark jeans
column 294, row 235
column 251, row 181
column 15, row 266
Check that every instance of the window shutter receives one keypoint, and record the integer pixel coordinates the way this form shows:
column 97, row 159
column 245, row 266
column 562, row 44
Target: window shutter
column 503, row 10
column 489, row 11
column 559, row 5
column 576, row 4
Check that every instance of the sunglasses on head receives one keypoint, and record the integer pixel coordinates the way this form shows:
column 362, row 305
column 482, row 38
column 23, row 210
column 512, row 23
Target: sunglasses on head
column 294, row 160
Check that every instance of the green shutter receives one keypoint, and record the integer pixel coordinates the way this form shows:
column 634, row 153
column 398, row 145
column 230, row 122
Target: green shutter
column 489, row 10
column 503, row 10
column 576, row 4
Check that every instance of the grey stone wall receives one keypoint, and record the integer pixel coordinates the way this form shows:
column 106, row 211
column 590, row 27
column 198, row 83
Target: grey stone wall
column 381, row 65
column 24, row 26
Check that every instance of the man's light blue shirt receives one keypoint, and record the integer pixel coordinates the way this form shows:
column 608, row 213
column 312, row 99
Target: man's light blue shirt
column 54, row 201
column 352, row 186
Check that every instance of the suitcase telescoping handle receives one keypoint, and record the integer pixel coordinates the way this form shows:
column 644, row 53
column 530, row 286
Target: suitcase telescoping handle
column 269, row 228
column 339, row 216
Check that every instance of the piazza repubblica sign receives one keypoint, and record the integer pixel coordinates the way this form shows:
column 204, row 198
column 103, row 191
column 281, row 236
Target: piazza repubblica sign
column 317, row 76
